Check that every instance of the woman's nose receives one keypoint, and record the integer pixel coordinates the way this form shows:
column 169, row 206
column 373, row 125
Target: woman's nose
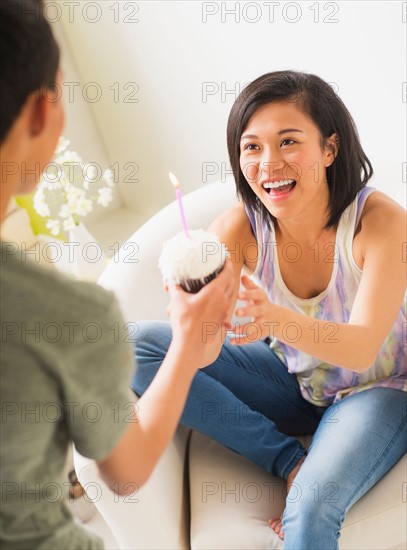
column 267, row 164
column 271, row 163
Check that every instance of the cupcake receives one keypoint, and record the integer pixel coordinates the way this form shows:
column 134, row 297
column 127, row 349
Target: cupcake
column 192, row 261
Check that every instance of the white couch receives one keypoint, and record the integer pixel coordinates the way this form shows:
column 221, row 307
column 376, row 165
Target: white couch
column 202, row 495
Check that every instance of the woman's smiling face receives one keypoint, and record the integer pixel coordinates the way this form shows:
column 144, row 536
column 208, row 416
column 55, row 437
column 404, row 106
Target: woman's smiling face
column 283, row 161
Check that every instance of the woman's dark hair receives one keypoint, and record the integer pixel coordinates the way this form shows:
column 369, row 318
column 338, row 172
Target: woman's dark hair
column 351, row 169
column 29, row 57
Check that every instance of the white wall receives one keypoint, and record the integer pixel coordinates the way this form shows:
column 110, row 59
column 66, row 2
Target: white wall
column 174, row 51
column 80, row 125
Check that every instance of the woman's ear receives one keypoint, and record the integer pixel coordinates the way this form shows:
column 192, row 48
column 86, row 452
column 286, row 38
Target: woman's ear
column 332, row 148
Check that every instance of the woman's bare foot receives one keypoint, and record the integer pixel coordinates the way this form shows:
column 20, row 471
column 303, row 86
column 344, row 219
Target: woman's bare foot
column 276, row 523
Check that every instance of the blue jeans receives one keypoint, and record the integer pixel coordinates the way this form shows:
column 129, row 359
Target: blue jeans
column 250, row 403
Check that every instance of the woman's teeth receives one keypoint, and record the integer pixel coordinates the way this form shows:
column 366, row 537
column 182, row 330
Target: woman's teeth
column 276, row 184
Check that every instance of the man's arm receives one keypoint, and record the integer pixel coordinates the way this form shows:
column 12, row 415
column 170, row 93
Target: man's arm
column 158, row 411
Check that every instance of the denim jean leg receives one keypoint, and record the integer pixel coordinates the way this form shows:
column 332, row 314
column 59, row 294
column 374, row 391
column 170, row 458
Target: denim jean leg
column 358, row 440
column 228, row 399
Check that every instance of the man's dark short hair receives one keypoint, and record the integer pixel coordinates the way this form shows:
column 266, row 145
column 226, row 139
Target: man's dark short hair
column 351, row 169
column 29, row 57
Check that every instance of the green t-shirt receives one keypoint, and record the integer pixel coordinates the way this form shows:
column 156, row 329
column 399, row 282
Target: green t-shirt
column 66, row 364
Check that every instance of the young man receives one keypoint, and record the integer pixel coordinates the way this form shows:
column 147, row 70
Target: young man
column 58, row 382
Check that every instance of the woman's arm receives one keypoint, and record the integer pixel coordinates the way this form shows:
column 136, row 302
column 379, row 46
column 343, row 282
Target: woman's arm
column 233, row 228
column 353, row 345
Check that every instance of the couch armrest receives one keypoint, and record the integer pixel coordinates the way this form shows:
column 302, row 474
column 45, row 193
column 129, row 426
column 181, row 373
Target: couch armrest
column 156, row 516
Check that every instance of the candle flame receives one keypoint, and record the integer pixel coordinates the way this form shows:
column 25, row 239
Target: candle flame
column 174, row 180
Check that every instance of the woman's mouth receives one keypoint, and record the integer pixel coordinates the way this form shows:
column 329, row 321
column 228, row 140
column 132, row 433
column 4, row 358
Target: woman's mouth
column 279, row 189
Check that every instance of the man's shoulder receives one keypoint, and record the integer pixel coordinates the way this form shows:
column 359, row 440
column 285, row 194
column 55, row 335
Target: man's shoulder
column 24, row 282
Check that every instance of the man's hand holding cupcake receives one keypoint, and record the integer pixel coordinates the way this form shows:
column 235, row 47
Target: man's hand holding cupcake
column 200, row 320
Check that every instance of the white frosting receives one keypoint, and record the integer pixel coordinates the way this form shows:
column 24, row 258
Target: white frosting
column 192, row 257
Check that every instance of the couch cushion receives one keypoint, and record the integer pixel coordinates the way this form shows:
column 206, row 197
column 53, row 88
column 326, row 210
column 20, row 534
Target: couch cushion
column 232, row 500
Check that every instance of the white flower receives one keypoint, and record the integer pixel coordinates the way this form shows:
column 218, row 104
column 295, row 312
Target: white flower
column 108, row 177
column 64, row 211
column 83, row 206
column 69, row 157
column 62, row 145
column 73, row 194
column 40, row 205
column 69, row 223
column 68, row 189
column 54, row 226
column 105, row 196
column 52, row 175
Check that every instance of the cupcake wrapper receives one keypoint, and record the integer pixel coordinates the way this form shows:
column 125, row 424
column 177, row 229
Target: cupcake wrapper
column 194, row 285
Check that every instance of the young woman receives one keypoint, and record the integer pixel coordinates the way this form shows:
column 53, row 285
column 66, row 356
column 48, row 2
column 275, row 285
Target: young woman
column 324, row 353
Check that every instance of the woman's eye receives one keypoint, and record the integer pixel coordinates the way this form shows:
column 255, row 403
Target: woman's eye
column 287, row 142
column 250, row 147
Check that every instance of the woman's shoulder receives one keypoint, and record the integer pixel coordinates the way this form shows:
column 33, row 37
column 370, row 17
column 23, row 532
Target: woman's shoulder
column 381, row 209
column 382, row 220
column 233, row 223
column 234, row 229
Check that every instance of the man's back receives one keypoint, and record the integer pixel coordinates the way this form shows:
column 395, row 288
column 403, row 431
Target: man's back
column 65, row 371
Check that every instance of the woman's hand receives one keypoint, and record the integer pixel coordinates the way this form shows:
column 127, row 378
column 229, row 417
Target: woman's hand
column 259, row 308
column 200, row 321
